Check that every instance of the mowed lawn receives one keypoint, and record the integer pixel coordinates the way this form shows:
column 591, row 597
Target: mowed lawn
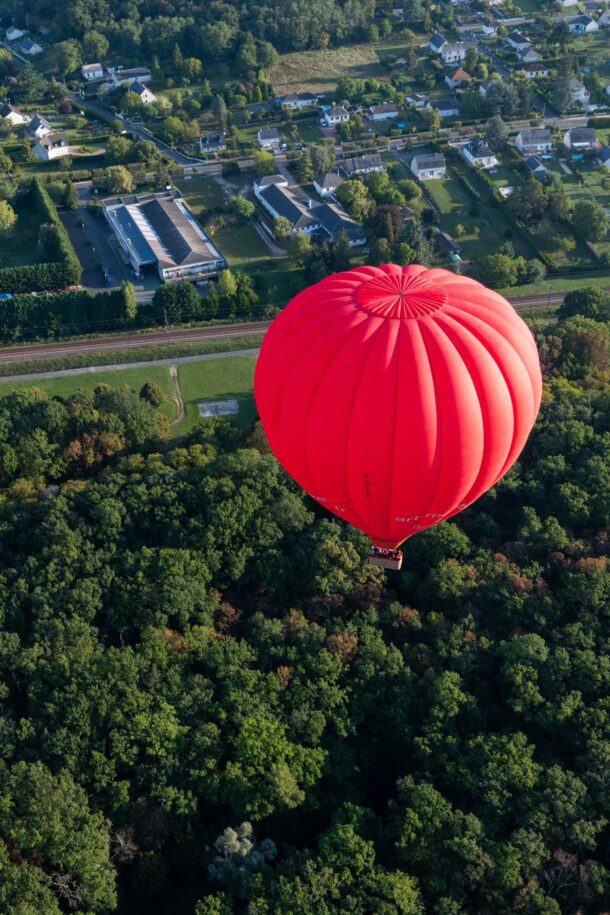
column 68, row 384
column 483, row 234
column 201, row 192
column 318, row 71
column 230, row 378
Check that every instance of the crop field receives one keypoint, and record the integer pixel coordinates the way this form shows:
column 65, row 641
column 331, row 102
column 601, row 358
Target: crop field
column 318, row 71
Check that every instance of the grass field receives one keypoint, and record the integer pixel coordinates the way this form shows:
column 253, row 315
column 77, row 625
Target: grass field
column 201, row 192
column 67, row 385
column 562, row 284
column 217, row 379
column 213, row 379
column 318, row 71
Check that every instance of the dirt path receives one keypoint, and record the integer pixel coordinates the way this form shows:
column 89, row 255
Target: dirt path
column 176, row 395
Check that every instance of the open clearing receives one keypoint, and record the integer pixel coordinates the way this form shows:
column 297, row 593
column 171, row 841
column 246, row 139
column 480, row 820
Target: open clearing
column 318, row 71
column 217, row 379
column 135, row 378
column 212, row 379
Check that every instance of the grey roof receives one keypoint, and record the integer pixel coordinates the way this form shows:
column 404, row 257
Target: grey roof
column 382, row 109
column 86, row 68
column 130, row 72
column 535, row 135
column 300, row 96
column 271, row 179
column 7, row 109
column 177, row 232
column 582, row 20
column 429, row 160
column 36, row 122
column 28, row 44
column 582, row 135
column 329, row 180
column 446, row 243
column 517, row 37
column 212, row 139
column 337, row 111
column 445, row 104
column 361, row 164
column 53, row 140
column 268, row 133
column 335, row 220
column 286, row 204
column 478, row 149
column 437, row 40
column 535, row 166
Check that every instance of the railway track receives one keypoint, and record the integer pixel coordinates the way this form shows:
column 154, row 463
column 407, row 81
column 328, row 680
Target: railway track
column 114, row 342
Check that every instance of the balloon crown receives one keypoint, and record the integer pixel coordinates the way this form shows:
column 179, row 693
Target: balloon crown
column 400, row 295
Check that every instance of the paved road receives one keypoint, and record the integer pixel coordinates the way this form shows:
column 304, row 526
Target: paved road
column 131, row 341
column 119, row 366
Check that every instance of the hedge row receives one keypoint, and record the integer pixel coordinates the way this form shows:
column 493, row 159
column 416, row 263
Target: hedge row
column 63, row 269
column 71, row 312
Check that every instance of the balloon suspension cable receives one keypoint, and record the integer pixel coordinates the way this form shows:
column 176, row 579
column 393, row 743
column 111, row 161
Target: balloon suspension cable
column 385, row 559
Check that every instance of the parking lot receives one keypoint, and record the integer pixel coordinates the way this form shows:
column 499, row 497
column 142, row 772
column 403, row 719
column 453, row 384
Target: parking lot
column 97, row 247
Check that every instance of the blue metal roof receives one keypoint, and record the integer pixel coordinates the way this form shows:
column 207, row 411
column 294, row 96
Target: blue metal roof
column 132, row 233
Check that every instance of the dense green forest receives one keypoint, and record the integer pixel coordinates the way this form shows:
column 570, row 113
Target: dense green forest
column 249, row 34
column 211, row 704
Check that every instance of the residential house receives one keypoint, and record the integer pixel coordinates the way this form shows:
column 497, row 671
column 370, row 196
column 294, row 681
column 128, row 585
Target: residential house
column 143, row 92
column 52, row 146
column 446, row 107
column 13, row 33
column 535, row 71
column 30, row 48
column 437, row 42
column 479, row 154
column 528, row 56
column 11, row 115
column 268, row 138
column 604, row 20
column 457, row 78
column 417, row 100
column 383, row 112
column 489, row 28
column 580, row 93
column 335, row 115
column 454, row 52
column 298, row 100
column 362, row 165
column 564, row 4
column 428, row 165
column 212, row 142
column 536, row 168
column 324, row 220
column 327, row 184
column 592, row 7
column 603, row 156
column 580, row 139
column 92, row 72
column 126, row 76
column 38, row 127
column 446, row 244
column 534, row 141
column 517, row 41
column 581, row 24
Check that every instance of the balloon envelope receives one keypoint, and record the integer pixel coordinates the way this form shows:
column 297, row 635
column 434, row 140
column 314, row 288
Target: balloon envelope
column 397, row 396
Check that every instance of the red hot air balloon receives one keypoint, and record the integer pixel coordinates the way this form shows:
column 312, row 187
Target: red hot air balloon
column 397, row 396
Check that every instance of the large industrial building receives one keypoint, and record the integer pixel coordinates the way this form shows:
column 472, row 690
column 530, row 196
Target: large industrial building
column 159, row 230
